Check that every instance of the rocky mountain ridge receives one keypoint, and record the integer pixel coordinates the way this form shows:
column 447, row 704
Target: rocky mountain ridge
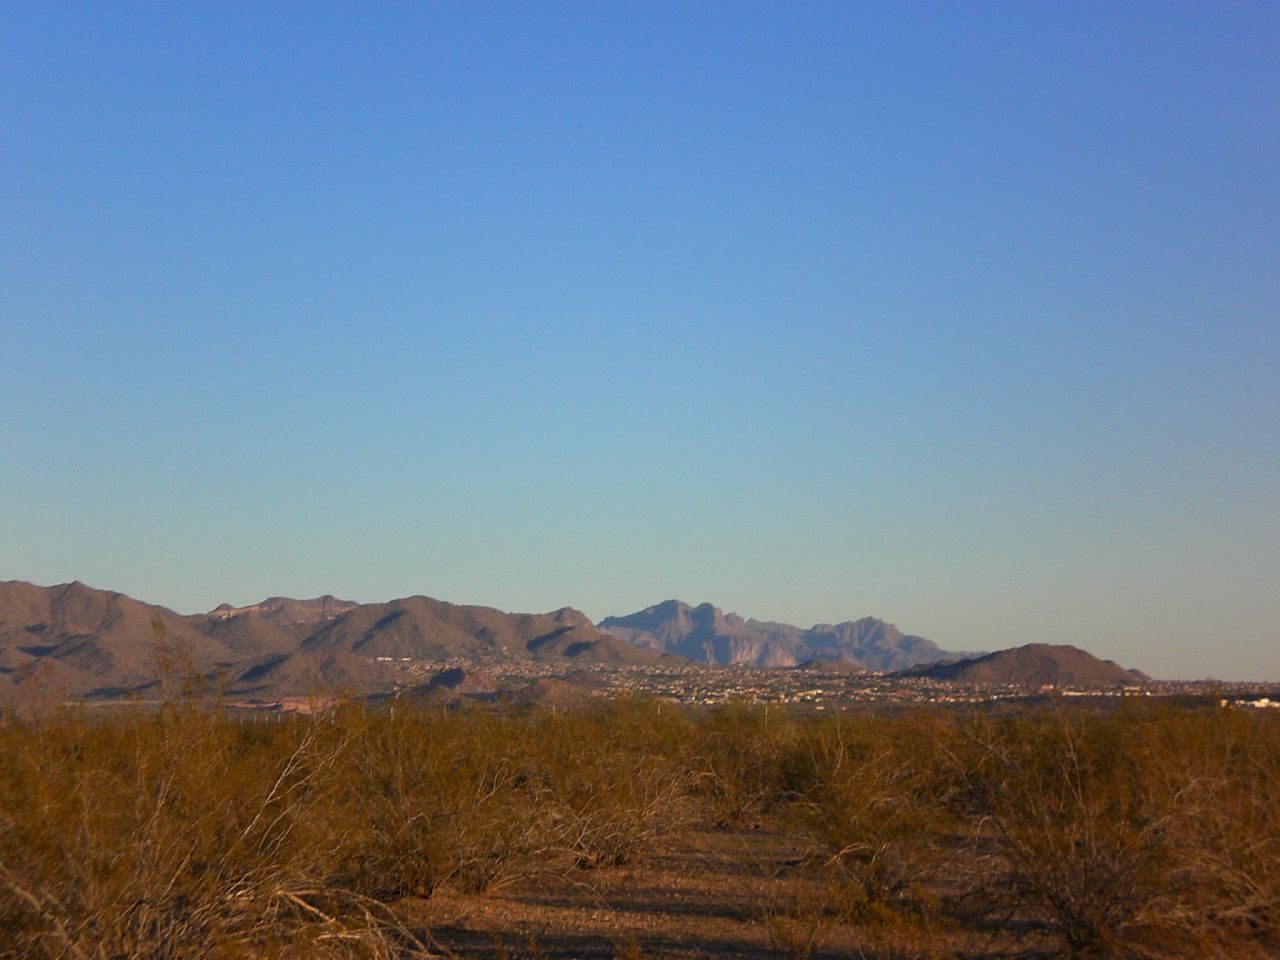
column 705, row 633
column 87, row 643
column 76, row 642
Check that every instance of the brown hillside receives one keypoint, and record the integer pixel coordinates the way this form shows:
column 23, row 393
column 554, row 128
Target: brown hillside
column 97, row 642
column 301, row 673
column 1035, row 664
column 82, row 642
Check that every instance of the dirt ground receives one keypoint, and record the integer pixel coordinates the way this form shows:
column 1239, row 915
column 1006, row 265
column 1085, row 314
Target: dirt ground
column 702, row 893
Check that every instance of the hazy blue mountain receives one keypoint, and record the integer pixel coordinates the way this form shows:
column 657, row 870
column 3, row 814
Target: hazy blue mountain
column 706, row 633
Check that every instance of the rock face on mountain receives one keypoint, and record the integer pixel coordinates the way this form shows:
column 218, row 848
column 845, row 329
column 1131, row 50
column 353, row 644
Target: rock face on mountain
column 285, row 611
column 1036, row 664
column 77, row 642
column 707, row 634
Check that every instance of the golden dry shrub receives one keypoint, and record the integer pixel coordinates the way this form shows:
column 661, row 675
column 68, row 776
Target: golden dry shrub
column 874, row 799
column 1143, row 831
column 427, row 797
column 163, row 833
column 616, row 775
column 738, row 761
column 1217, row 771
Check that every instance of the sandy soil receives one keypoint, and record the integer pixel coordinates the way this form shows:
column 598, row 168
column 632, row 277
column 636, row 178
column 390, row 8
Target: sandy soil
column 703, row 893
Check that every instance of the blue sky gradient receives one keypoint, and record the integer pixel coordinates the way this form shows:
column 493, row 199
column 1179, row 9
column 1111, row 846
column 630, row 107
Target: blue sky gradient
column 965, row 316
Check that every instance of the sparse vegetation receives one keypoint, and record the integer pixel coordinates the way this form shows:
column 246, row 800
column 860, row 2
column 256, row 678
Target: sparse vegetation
column 1144, row 831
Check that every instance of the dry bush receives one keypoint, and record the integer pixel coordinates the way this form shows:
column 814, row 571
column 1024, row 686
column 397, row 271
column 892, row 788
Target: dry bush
column 429, row 798
column 616, row 776
column 871, row 798
column 1218, row 773
column 797, row 927
column 167, row 833
column 174, row 832
column 1138, row 832
column 479, row 799
column 738, row 761
column 1083, row 842
column 1144, row 832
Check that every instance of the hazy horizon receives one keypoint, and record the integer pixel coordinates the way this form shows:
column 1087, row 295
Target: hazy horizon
column 964, row 317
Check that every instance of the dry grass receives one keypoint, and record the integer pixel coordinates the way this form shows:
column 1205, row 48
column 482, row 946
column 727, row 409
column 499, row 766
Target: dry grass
column 175, row 832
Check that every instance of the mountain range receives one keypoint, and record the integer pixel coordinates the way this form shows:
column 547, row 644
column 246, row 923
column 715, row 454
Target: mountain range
column 82, row 643
column 710, row 635
column 88, row 643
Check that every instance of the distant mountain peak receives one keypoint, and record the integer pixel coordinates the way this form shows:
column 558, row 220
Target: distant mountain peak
column 571, row 616
column 1033, row 664
column 704, row 632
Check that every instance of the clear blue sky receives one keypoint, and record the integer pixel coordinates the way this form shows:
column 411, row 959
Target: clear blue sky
column 966, row 316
